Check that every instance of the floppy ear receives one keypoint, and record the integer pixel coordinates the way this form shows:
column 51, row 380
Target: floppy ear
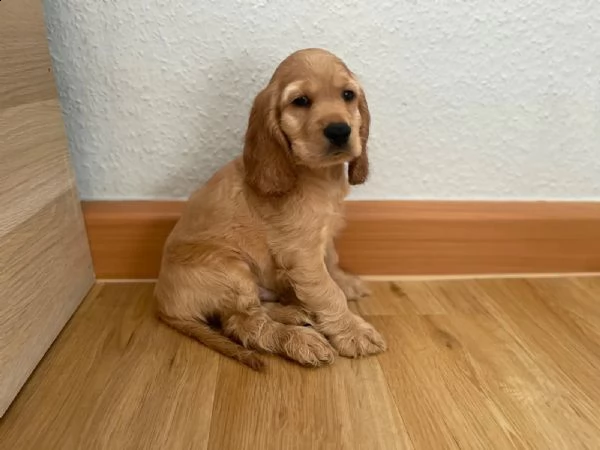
column 268, row 162
column 358, row 168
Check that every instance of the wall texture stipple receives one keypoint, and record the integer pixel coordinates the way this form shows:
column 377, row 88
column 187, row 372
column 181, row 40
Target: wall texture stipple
column 470, row 99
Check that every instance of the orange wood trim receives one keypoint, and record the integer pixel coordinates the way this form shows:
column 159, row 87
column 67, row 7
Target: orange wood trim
column 386, row 237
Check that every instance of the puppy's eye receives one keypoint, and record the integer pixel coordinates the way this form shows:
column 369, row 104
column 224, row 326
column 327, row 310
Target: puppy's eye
column 303, row 101
column 348, row 95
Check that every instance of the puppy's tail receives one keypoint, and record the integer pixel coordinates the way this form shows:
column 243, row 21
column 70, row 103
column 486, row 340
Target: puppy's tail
column 215, row 341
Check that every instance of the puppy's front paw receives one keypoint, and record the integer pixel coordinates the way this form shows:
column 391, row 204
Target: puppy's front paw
column 354, row 288
column 358, row 338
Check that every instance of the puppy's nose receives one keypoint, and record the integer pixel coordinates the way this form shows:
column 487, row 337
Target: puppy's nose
column 338, row 133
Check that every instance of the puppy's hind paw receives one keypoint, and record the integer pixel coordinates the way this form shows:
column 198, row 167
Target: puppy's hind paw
column 308, row 348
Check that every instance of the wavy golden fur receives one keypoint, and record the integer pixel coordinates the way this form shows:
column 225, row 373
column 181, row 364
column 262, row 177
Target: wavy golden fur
column 251, row 265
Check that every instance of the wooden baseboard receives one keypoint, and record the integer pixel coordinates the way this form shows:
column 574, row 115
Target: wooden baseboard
column 386, row 237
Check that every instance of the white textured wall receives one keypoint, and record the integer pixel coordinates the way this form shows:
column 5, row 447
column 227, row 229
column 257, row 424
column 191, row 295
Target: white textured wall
column 470, row 99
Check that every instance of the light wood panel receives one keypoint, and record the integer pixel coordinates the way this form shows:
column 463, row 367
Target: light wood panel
column 25, row 72
column 45, row 263
column 486, row 364
column 387, row 237
column 46, row 271
column 35, row 166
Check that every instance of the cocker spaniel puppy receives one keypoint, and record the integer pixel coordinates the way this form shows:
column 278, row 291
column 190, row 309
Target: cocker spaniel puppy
column 263, row 227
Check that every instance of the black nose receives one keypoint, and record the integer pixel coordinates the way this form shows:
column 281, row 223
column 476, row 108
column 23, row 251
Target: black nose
column 337, row 133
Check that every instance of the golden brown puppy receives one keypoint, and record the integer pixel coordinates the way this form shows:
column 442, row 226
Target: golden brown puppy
column 265, row 223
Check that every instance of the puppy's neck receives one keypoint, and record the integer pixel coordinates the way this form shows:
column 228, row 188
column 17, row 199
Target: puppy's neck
column 332, row 174
column 330, row 184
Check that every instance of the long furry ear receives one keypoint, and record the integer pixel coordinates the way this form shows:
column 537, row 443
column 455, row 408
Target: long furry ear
column 358, row 169
column 268, row 162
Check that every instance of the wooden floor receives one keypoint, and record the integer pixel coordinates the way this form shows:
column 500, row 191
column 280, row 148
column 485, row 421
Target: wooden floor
column 471, row 364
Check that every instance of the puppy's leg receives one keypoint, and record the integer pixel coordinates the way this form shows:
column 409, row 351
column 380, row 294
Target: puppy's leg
column 349, row 334
column 287, row 314
column 247, row 321
column 254, row 328
column 353, row 287
column 189, row 296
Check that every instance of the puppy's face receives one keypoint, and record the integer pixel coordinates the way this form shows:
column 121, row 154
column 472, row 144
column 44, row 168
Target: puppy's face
column 312, row 113
column 319, row 111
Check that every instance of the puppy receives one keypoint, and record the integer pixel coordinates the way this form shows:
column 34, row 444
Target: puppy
column 264, row 226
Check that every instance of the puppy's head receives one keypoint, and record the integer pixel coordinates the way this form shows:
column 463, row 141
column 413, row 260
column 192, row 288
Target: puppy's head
column 313, row 113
